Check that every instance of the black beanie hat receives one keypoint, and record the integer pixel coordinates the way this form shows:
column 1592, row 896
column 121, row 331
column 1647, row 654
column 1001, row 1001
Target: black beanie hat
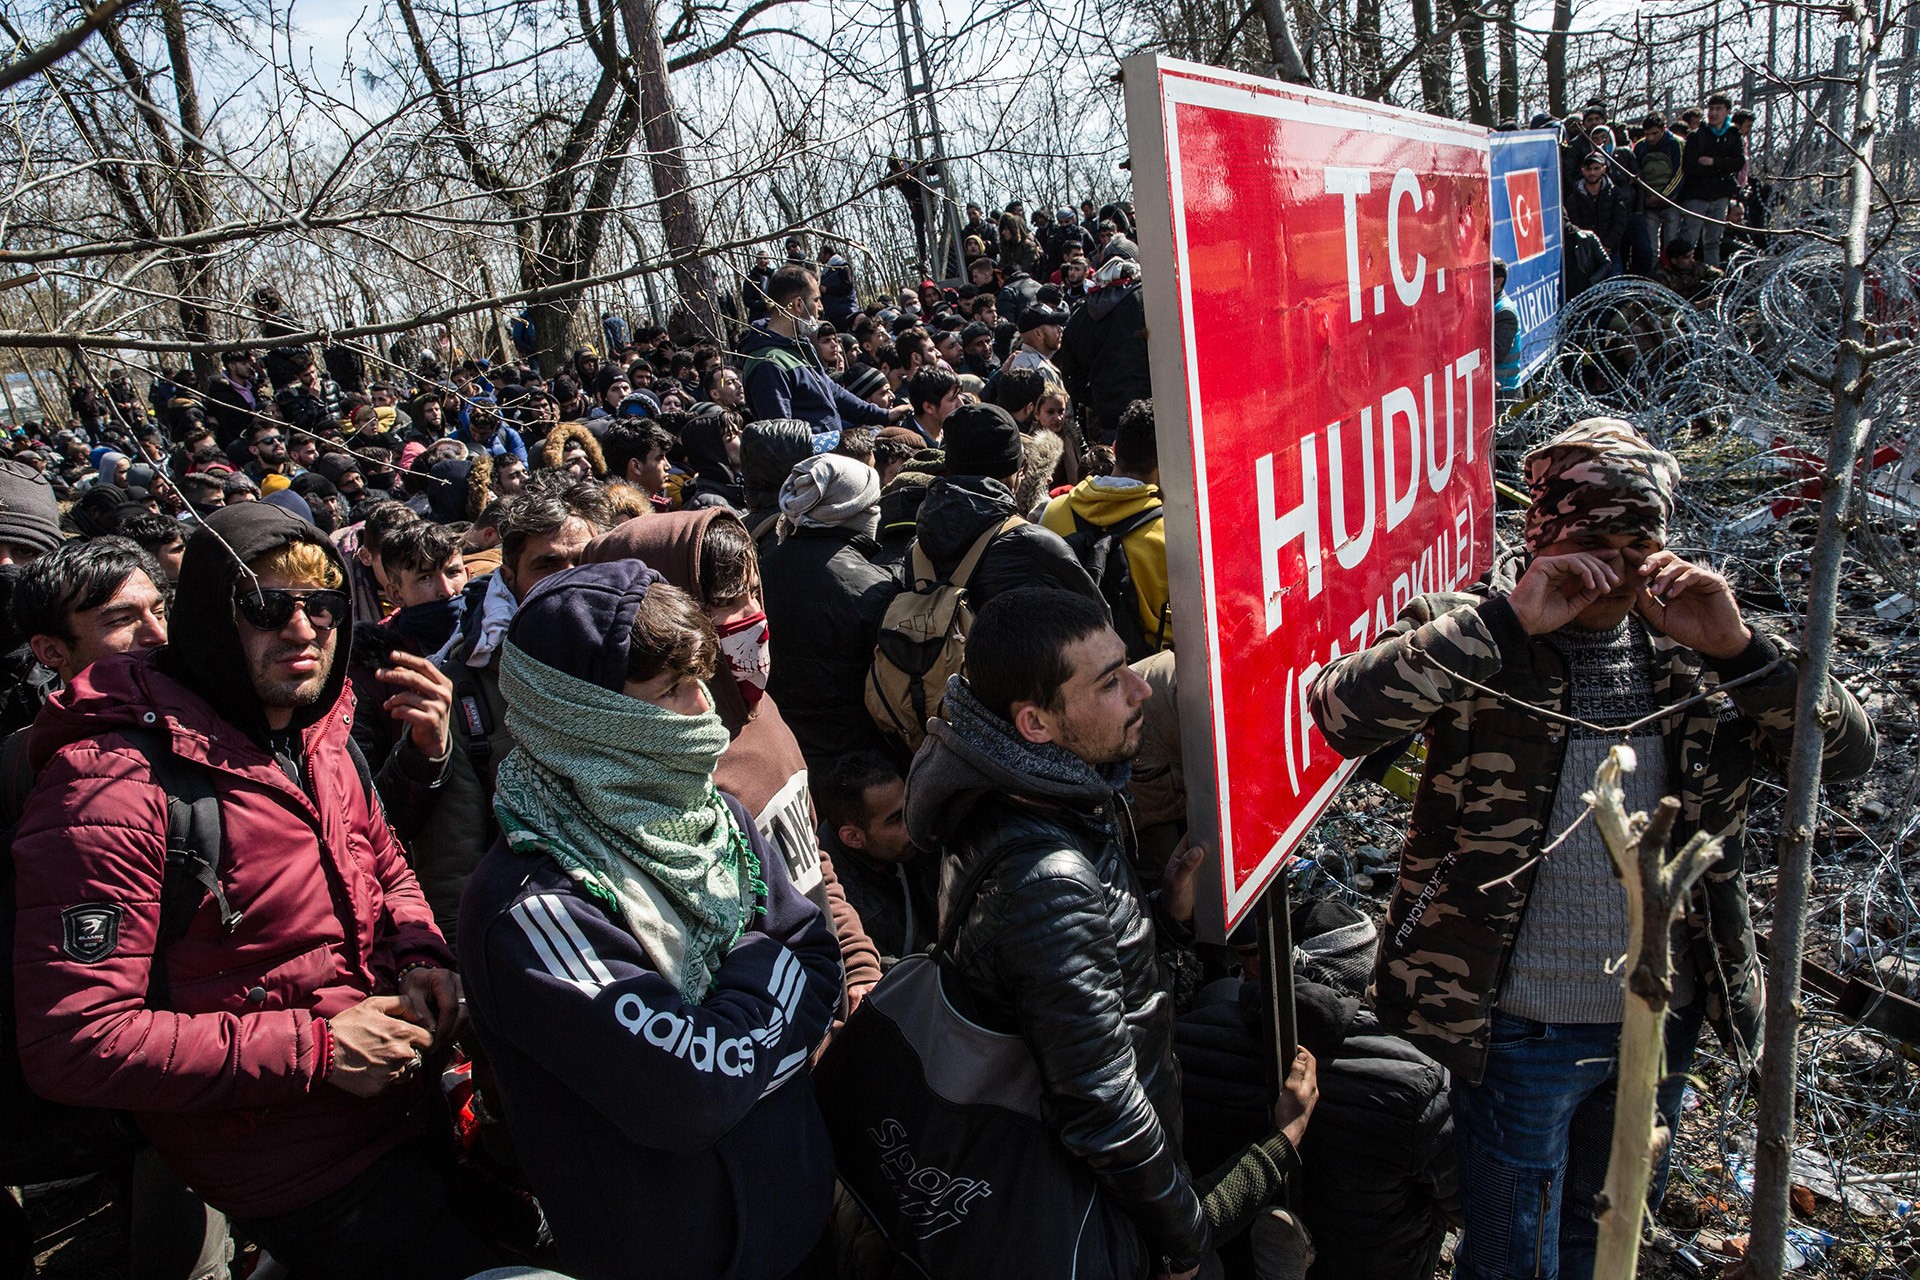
column 863, row 380
column 29, row 513
column 982, row 440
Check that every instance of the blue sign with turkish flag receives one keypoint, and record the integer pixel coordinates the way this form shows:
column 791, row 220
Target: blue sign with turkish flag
column 1526, row 236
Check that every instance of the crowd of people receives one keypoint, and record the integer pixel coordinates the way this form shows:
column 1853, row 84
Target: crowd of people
column 1675, row 200
column 453, row 814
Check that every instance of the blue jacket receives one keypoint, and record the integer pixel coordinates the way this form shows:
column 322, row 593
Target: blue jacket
column 663, row 1139
column 784, row 380
column 505, row 440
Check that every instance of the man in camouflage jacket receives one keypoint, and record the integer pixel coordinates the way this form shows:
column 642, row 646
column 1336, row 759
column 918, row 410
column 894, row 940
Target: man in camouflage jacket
column 1471, row 673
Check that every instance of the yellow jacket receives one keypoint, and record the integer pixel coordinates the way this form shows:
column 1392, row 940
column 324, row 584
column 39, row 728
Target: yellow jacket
column 1106, row 501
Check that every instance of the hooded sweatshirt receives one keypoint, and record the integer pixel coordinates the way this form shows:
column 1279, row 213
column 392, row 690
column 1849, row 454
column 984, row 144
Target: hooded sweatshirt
column 704, row 442
column 784, row 380
column 228, row 1080
column 768, row 451
column 1106, row 501
column 762, row 767
column 663, row 1136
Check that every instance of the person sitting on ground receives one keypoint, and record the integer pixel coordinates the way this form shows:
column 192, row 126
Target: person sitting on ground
column 647, row 981
column 291, row 1099
column 1500, row 952
column 1686, row 275
column 1381, row 1179
column 1019, row 789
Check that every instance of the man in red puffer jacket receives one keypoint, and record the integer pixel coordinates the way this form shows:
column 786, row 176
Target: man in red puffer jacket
column 281, row 1061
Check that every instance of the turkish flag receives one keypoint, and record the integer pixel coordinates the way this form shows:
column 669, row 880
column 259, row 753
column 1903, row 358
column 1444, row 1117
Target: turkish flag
column 1523, row 201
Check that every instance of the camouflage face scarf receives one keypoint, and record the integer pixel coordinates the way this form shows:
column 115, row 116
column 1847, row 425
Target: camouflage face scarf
column 1598, row 476
column 620, row 793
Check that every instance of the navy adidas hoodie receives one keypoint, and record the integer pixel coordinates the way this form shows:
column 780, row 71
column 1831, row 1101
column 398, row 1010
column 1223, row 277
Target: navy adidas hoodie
column 663, row 1139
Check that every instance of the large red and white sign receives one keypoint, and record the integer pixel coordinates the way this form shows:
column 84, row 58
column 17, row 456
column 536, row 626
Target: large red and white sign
column 1320, row 317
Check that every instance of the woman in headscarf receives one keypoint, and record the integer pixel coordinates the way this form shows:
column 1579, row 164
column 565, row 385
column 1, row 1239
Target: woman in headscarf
column 646, row 979
column 824, row 598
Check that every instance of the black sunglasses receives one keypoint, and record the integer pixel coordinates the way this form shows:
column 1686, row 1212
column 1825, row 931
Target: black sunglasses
column 274, row 439
column 271, row 608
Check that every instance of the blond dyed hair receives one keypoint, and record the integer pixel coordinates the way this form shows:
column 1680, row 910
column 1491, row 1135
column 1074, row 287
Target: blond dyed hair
column 301, row 563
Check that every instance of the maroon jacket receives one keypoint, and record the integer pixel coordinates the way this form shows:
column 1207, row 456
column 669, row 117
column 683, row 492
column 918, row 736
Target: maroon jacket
column 226, row 1083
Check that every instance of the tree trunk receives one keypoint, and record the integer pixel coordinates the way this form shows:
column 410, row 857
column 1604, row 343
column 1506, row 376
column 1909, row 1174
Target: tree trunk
column 1287, row 62
column 1557, row 58
column 1436, row 73
column 1473, row 51
column 666, row 159
column 1509, row 103
column 196, row 274
column 1780, row 1053
column 1370, row 57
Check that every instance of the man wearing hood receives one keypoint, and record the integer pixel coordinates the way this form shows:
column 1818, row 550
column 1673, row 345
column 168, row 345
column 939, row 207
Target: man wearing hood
column 825, row 599
column 768, row 452
column 783, row 374
column 1021, row 790
column 277, row 1053
column 708, row 555
column 1103, row 350
column 983, row 457
column 647, row 979
column 710, row 446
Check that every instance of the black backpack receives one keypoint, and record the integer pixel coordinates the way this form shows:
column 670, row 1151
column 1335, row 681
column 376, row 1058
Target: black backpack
column 1102, row 553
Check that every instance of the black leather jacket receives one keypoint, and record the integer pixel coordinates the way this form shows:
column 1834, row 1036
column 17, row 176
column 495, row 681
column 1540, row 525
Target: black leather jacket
column 1058, row 946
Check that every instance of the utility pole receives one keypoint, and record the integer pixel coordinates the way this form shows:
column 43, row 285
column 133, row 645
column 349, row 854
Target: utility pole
column 940, row 215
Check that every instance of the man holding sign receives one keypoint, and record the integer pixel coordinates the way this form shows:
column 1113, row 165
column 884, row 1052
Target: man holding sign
column 1500, row 952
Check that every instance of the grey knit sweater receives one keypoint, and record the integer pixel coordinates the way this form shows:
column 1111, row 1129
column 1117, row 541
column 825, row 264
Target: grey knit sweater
column 1565, row 964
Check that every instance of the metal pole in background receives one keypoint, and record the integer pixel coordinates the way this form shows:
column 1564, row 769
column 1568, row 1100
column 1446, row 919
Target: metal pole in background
column 915, row 138
column 1773, row 48
column 1275, row 922
column 947, row 240
column 1903, row 112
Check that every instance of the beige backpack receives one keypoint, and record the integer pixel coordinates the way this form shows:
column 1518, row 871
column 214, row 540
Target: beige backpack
column 923, row 640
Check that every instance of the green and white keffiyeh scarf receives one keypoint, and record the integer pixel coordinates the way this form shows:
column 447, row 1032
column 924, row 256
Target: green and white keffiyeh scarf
column 620, row 794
